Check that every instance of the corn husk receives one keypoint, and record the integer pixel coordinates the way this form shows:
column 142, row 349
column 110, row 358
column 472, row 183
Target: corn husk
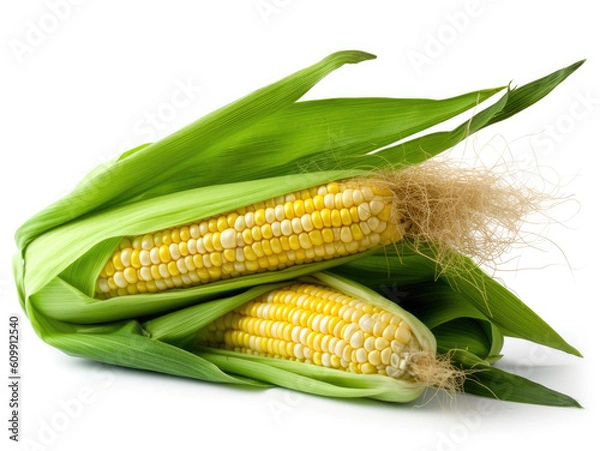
column 263, row 145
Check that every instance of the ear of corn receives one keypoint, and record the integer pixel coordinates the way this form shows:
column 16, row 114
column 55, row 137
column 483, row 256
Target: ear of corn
column 320, row 223
column 316, row 324
column 198, row 173
column 343, row 329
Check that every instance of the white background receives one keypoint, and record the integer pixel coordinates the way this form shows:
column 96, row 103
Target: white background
column 78, row 84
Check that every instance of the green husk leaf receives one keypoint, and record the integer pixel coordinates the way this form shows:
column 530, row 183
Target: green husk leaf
column 491, row 382
column 127, row 344
column 180, row 327
column 530, row 93
column 452, row 318
column 313, row 379
column 514, row 101
column 321, row 135
column 475, row 336
column 90, row 263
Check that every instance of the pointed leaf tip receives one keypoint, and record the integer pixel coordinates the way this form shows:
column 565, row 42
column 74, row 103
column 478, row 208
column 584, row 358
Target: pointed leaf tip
column 576, row 65
column 351, row 56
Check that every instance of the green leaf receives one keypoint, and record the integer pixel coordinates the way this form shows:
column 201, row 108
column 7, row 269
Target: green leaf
column 83, row 272
column 505, row 310
column 321, row 135
column 468, row 334
column 434, row 302
column 491, row 382
column 454, row 321
column 514, row 101
column 180, row 327
column 420, row 149
column 126, row 344
column 313, row 379
column 526, row 95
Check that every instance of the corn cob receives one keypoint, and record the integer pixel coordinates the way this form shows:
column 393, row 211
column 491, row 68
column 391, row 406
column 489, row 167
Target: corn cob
column 316, row 324
column 320, row 223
